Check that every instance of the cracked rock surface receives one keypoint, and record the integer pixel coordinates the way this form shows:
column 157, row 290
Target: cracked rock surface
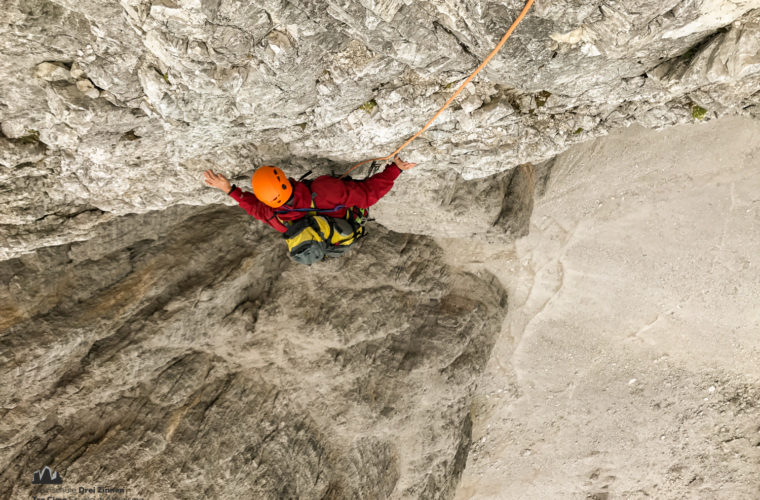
column 117, row 107
column 152, row 337
column 191, row 359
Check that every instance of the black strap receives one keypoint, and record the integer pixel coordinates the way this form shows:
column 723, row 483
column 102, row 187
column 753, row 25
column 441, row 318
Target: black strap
column 234, row 187
column 296, row 227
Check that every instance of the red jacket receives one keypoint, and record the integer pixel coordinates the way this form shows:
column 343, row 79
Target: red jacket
column 330, row 193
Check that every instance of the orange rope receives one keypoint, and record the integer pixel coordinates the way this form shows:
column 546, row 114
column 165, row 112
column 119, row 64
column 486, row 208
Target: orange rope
column 501, row 43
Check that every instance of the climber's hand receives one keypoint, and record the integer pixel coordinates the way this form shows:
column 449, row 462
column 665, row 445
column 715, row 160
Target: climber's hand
column 403, row 165
column 217, row 180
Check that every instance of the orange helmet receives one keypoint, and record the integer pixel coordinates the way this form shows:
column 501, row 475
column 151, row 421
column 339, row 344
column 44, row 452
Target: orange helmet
column 271, row 186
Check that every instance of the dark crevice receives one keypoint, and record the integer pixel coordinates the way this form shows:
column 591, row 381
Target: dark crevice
column 517, row 205
column 69, row 215
column 543, row 174
column 225, row 386
column 465, row 48
column 695, row 49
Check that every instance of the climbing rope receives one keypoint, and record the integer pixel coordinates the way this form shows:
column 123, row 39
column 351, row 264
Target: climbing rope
column 501, row 43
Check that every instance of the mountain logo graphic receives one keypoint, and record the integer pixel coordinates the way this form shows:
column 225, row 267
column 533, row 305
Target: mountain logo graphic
column 46, row 476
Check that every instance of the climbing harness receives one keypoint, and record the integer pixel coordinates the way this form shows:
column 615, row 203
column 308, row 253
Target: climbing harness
column 501, row 43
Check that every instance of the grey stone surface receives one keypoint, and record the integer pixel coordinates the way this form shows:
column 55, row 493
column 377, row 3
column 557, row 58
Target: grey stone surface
column 150, row 340
column 627, row 366
column 180, row 354
column 176, row 87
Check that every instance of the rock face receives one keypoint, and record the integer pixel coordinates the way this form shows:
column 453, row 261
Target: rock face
column 627, row 366
column 194, row 359
column 153, row 338
column 116, row 107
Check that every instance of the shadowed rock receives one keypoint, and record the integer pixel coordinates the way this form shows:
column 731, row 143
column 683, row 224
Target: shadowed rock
column 200, row 359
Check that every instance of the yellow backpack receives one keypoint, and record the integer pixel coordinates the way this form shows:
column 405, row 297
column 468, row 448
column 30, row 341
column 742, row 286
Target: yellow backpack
column 314, row 237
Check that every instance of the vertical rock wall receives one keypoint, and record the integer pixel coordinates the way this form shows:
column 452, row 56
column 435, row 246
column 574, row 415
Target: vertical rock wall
column 149, row 340
column 180, row 353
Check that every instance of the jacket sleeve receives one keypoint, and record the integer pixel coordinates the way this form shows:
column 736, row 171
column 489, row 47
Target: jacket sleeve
column 364, row 193
column 256, row 208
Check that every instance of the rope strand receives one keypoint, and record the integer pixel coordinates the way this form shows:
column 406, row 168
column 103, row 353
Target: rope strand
column 501, row 43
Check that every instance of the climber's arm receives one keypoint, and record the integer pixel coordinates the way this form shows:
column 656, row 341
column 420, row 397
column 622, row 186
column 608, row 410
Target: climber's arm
column 252, row 205
column 367, row 192
column 246, row 200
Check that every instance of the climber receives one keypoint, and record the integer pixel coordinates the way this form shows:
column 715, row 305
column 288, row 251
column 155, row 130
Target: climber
column 279, row 202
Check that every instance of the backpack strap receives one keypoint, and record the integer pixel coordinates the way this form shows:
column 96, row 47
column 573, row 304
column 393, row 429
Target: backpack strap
column 313, row 210
column 296, row 227
column 279, row 221
column 300, row 224
column 303, row 178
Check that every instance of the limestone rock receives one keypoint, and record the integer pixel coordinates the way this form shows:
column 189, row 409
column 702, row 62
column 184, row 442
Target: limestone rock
column 76, row 70
column 160, row 338
column 53, row 72
column 87, row 88
column 307, row 383
column 232, row 84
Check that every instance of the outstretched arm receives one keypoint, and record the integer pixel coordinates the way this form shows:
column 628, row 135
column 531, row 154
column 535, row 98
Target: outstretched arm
column 247, row 201
column 364, row 193
column 217, row 181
